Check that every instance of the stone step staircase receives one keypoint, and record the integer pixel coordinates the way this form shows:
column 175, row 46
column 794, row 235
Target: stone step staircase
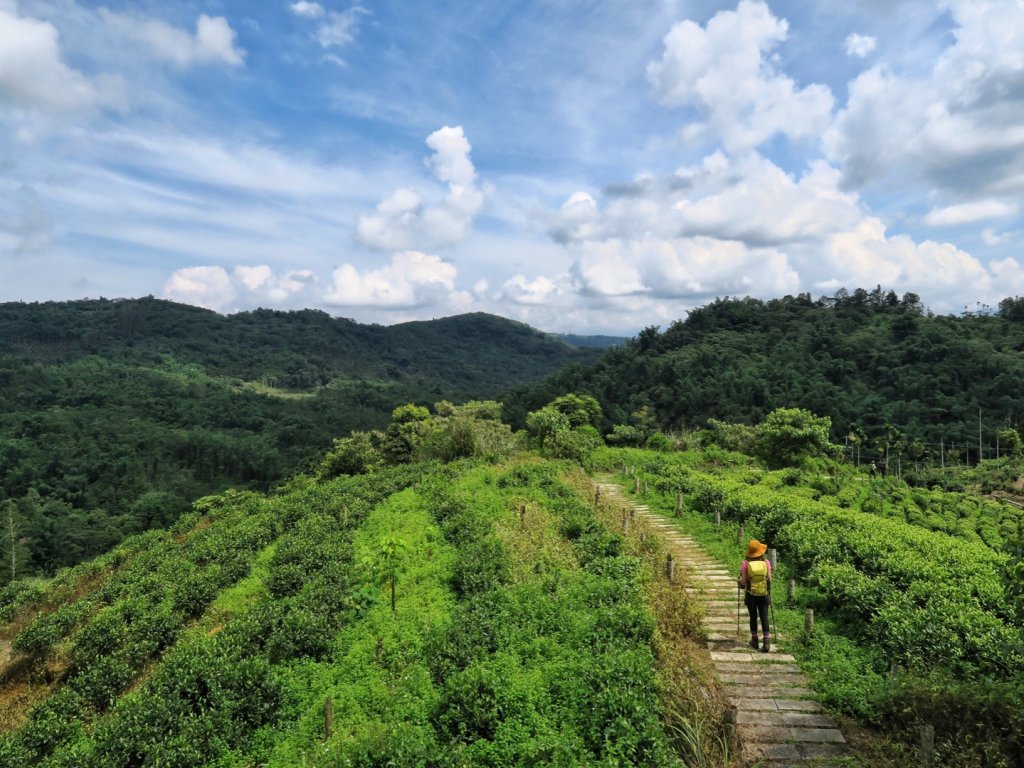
column 778, row 722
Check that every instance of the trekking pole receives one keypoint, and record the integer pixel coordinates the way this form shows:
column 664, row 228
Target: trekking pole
column 771, row 606
column 737, row 608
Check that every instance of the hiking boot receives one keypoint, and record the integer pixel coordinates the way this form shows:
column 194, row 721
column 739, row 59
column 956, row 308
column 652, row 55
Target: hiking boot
column 766, row 645
column 753, row 643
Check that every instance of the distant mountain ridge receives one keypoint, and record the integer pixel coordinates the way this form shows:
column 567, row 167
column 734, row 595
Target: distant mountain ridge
column 116, row 414
column 297, row 349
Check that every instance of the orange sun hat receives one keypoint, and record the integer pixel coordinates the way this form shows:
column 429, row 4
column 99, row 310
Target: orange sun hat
column 755, row 549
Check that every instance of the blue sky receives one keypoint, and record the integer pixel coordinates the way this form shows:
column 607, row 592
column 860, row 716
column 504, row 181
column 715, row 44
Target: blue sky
column 581, row 166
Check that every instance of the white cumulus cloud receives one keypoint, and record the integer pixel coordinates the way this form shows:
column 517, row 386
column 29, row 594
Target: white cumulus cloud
column 859, row 46
column 33, row 74
column 412, row 279
column 307, row 10
column 540, row 290
column 404, row 220
column 212, row 42
column 866, row 255
column 209, row 287
column 959, row 125
column 215, row 288
column 724, row 70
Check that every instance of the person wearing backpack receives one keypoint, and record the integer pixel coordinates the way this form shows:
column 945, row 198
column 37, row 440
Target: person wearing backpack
column 756, row 579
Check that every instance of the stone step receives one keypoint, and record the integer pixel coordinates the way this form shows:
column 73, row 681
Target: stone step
column 777, row 755
column 779, row 693
column 779, row 722
column 749, row 657
column 784, row 719
column 753, row 704
column 755, row 679
column 782, row 734
column 756, row 669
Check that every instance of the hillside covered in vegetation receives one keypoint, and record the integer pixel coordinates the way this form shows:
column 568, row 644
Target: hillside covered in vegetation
column 477, row 612
column 116, row 415
column 436, row 594
column 891, row 376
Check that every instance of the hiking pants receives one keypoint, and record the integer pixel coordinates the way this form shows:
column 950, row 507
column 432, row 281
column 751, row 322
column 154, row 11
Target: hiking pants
column 757, row 606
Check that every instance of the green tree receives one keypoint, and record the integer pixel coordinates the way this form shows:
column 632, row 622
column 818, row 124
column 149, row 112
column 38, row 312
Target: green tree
column 353, row 455
column 410, row 426
column 384, row 562
column 578, row 409
column 790, row 436
column 545, row 423
column 1010, row 443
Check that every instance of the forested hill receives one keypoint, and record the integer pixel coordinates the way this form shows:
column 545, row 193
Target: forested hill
column 115, row 415
column 477, row 353
column 882, row 367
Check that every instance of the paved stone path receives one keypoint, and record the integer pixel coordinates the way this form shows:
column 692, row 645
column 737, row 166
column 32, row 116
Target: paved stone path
column 778, row 723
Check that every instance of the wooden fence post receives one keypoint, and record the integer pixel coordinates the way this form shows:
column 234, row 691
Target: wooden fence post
column 927, row 746
column 597, row 496
column 670, row 567
column 625, row 524
column 636, row 484
column 809, row 622
column 328, row 717
column 773, row 558
column 522, row 515
column 718, row 518
column 679, row 504
column 790, row 590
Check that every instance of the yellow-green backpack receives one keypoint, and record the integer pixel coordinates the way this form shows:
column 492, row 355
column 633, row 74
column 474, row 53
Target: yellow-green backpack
column 757, row 576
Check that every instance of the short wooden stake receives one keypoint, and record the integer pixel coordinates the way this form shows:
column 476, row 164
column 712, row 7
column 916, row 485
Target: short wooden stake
column 636, row 485
column 625, row 523
column 632, row 513
column 645, row 487
column 522, row 514
column 718, row 517
column 927, row 746
column 328, row 717
column 790, row 590
column 670, row 568
column 597, row 496
column 809, row 622
column 679, row 505
column 773, row 558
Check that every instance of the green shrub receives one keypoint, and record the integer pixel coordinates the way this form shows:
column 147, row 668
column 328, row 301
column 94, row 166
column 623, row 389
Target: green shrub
column 483, row 564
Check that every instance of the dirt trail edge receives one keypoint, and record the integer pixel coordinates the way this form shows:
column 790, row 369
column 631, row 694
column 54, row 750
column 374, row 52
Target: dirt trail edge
column 779, row 723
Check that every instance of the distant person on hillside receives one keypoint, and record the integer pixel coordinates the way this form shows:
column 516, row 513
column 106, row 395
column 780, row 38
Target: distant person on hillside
column 756, row 581
column 873, row 470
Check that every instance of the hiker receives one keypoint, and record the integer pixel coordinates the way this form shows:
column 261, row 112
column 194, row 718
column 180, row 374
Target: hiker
column 756, row 579
column 873, row 470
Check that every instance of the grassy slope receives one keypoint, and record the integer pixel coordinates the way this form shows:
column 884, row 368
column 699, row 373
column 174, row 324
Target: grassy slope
column 217, row 643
